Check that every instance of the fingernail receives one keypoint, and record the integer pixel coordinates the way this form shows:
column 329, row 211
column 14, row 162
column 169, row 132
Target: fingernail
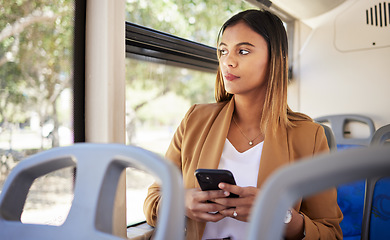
column 226, row 193
column 221, row 185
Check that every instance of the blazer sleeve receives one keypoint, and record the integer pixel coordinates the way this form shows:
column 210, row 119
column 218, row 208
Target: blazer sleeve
column 153, row 198
column 322, row 215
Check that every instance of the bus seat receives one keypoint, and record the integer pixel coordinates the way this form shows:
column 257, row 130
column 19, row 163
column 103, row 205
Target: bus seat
column 376, row 215
column 329, row 137
column 381, row 135
column 304, row 178
column 350, row 196
column 338, row 124
column 99, row 167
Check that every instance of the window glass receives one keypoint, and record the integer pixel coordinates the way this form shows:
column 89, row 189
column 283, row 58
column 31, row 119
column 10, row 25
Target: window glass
column 50, row 198
column 36, row 48
column 198, row 21
column 157, row 98
column 137, row 183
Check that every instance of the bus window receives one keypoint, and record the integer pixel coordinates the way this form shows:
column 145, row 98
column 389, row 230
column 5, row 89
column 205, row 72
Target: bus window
column 198, row 21
column 158, row 98
column 50, row 198
column 36, row 61
column 137, row 182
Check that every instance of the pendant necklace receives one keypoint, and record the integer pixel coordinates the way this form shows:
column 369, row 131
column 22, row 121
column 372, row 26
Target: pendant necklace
column 250, row 141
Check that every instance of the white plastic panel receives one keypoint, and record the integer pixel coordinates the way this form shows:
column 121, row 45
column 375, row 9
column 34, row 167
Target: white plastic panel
column 328, row 81
column 364, row 25
column 303, row 9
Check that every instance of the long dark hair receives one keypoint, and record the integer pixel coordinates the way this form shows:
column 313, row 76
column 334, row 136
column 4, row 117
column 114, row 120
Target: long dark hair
column 271, row 28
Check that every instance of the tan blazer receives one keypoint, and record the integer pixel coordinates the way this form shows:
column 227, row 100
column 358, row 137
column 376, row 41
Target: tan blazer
column 199, row 141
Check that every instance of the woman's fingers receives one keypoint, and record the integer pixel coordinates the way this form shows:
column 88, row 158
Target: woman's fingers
column 199, row 207
column 215, row 205
column 238, row 208
column 241, row 213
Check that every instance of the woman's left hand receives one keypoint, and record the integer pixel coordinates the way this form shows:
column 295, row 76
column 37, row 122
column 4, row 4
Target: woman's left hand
column 240, row 208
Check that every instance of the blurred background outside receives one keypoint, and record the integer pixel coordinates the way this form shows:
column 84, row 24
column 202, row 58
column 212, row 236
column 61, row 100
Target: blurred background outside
column 36, row 59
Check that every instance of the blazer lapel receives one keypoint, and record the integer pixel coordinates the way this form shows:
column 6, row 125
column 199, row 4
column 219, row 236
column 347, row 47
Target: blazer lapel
column 275, row 153
column 215, row 140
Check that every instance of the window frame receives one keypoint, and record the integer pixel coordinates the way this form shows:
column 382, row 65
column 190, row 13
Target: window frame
column 143, row 43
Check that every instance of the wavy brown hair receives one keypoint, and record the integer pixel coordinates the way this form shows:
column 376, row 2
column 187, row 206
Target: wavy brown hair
column 271, row 28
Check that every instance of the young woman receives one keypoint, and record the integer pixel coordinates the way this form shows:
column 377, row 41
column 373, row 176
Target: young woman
column 250, row 131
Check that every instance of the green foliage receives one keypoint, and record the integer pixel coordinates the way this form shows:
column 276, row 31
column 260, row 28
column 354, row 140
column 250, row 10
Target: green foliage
column 197, row 20
column 37, row 38
column 10, row 95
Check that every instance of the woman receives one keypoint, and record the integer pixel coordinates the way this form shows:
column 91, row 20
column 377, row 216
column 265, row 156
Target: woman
column 250, row 131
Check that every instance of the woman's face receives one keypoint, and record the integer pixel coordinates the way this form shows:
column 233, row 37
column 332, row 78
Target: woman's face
column 243, row 60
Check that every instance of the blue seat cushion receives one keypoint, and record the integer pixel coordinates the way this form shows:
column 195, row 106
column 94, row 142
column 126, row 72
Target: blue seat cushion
column 350, row 198
column 352, row 238
column 380, row 215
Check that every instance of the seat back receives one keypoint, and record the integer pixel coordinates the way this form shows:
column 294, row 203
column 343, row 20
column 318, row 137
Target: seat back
column 338, row 124
column 381, row 135
column 350, row 196
column 376, row 215
column 290, row 183
column 99, row 167
column 330, row 137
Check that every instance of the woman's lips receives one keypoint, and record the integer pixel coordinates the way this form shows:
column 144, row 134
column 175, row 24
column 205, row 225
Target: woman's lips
column 230, row 77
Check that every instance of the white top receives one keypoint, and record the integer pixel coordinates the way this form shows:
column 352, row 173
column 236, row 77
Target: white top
column 245, row 168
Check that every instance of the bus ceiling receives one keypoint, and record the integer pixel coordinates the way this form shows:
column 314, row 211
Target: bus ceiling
column 297, row 9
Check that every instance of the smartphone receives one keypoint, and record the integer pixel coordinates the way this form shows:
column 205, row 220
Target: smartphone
column 209, row 179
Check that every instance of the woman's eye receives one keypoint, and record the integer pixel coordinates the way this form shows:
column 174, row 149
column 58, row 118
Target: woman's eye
column 222, row 52
column 243, row 52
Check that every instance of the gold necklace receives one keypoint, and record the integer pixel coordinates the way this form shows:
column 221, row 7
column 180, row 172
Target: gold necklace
column 243, row 134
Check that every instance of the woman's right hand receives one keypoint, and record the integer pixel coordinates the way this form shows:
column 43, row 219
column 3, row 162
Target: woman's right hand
column 197, row 207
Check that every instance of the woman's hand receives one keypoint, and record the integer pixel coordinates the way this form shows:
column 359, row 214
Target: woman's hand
column 242, row 206
column 198, row 208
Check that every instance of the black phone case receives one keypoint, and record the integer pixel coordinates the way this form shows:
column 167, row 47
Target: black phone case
column 209, row 179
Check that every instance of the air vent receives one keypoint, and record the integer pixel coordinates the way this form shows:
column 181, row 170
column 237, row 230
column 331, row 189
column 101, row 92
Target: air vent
column 379, row 15
column 363, row 25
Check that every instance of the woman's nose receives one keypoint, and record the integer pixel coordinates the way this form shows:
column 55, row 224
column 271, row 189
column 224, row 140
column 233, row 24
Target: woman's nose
column 229, row 61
